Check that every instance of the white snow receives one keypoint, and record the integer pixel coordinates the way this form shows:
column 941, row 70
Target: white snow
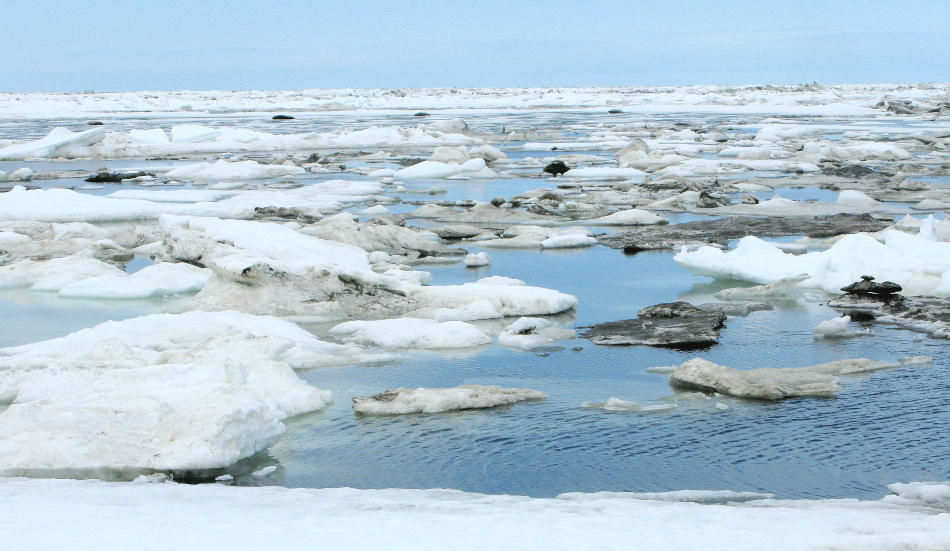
column 473, row 168
column 836, row 328
column 411, row 333
column 58, row 139
column 527, row 333
column 168, row 392
column 162, row 279
column 103, row 516
column 629, row 217
column 226, row 170
column 918, row 264
column 437, row 400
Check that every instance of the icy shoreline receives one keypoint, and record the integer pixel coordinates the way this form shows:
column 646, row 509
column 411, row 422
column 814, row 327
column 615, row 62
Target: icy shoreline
column 815, row 99
column 79, row 515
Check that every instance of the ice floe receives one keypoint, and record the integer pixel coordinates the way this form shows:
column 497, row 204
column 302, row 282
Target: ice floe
column 411, row 333
column 773, row 384
column 918, row 264
column 437, row 400
column 184, row 392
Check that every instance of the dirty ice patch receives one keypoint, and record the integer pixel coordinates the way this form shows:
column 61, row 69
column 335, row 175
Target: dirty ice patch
column 437, row 400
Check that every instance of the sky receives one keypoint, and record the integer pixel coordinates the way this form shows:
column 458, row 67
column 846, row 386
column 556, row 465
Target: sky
column 125, row 45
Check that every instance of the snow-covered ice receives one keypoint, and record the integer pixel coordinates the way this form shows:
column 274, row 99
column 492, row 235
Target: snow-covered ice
column 93, row 515
column 188, row 392
column 411, row 333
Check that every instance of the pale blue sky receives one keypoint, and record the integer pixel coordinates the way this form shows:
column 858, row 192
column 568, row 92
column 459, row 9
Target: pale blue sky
column 74, row 45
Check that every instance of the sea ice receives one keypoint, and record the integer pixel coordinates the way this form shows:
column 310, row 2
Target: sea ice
column 774, row 384
column 411, row 333
column 437, row 400
column 528, row 333
column 167, row 392
column 226, row 170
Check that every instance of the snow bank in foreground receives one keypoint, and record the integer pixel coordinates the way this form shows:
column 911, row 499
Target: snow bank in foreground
column 166, row 392
column 920, row 265
column 99, row 516
column 436, row 400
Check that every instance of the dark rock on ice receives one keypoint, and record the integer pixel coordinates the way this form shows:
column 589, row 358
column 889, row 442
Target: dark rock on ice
column 708, row 200
column 105, row 176
column 673, row 325
column 736, row 308
column 284, row 213
column 851, row 171
column 556, row 168
column 867, row 286
column 409, row 161
column 725, row 229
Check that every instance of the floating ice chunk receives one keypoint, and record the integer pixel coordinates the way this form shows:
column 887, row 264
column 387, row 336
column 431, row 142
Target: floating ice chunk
column 264, row 472
column 506, row 299
column 21, row 175
column 391, row 238
column 437, row 400
column 240, row 170
column 411, row 333
column 53, row 275
column 528, row 333
column 836, row 328
column 53, row 145
column 488, row 152
column 168, row 392
column 915, row 263
column 151, row 137
column 173, row 196
column 605, row 173
column 477, row 260
column 773, row 384
column 568, row 242
column 191, row 133
column 450, row 154
column 616, row 404
column 376, row 210
column 474, row 168
column 629, row 217
column 165, row 278
column 478, row 310
column 782, row 289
